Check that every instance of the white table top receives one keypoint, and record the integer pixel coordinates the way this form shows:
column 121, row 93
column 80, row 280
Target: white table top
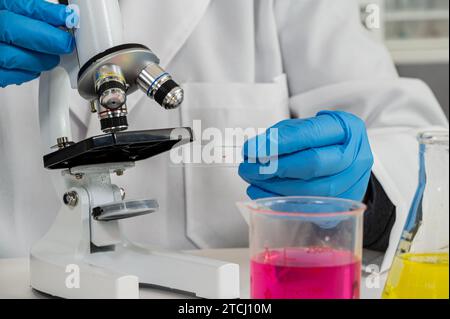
column 14, row 278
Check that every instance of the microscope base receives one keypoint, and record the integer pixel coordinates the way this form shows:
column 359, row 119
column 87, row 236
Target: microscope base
column 64, row 264
column 206, row 278
column 104, row 275
column 66, row 277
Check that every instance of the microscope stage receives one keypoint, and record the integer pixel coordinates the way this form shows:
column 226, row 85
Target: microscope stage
column 118, row 147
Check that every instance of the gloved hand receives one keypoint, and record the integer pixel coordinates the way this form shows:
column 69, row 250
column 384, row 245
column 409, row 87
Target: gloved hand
column 30, row 41
column 328, row 156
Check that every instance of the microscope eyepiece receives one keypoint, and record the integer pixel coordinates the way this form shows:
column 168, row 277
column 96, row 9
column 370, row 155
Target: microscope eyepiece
column 159, row 85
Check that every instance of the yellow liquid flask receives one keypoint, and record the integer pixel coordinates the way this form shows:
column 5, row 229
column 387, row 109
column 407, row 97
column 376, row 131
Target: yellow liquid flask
column 420, row 267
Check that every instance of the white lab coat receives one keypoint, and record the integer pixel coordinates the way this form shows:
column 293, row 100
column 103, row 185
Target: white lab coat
column 242, row 63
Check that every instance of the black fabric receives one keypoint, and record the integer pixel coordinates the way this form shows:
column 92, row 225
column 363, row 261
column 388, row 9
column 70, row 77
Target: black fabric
column 379, row 217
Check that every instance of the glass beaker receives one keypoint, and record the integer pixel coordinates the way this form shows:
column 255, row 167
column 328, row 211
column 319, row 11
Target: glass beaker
column 305, row 247
column 420, row 267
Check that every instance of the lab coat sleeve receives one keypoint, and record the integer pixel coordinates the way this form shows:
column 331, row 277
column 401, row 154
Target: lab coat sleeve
column 332, row 63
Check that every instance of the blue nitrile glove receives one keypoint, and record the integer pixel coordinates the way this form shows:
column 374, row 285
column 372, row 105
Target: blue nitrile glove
column 328, row 156
column 30, row 40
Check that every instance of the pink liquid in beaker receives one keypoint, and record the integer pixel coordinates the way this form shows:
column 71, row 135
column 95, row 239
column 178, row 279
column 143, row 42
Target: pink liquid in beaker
column 305, row 273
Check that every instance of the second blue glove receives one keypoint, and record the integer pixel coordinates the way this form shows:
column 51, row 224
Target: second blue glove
column 328, row 155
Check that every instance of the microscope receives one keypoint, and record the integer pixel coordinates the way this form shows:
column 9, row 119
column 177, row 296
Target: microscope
column 84, row 254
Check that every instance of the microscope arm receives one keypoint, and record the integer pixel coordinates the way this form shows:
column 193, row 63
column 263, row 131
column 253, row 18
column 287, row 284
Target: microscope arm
column 55, row 88
column 54, row 94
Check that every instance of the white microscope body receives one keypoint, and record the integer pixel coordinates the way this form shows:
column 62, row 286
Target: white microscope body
column 84, row 254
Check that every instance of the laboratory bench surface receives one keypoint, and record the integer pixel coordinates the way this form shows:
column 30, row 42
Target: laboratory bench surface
column 14, row 278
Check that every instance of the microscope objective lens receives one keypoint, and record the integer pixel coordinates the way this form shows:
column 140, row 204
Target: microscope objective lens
column 159, row 85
